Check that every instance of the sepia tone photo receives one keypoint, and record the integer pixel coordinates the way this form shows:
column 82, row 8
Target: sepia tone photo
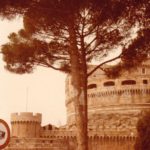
column 75, row 74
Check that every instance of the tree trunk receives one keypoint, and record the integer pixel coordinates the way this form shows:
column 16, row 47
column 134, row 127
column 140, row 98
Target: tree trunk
column 79, row 83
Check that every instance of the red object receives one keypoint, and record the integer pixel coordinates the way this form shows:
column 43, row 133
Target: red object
column 8, row 134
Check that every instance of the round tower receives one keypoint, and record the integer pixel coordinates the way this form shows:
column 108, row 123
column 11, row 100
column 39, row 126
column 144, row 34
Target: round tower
column 113, row 104
column 26, row 124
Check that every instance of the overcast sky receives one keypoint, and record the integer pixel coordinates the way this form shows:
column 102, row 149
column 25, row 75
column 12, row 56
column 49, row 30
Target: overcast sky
column 46, row 88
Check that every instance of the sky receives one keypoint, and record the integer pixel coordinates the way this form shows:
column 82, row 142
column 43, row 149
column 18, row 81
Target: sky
column 43, row 91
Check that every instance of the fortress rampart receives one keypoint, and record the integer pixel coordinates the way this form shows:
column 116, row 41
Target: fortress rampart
column 66, row 141
column 113, row 104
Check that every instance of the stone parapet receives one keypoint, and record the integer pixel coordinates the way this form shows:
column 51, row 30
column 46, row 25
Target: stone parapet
column 26, row 117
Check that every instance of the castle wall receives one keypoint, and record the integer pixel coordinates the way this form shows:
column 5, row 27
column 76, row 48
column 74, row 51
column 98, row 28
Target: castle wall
column 37, row 144
column 70, row 143
column 123, row 98
column 114, row 106
column 113, row 143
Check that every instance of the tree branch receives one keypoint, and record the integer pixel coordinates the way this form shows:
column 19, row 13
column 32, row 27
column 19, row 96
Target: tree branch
column 97, row 67
column 90, row 31
column 91, row 43
column 45, row 64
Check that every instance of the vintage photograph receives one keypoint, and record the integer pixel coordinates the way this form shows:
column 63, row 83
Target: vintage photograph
column 75, row 74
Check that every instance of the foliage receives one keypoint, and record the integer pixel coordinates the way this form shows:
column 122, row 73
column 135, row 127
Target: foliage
column 132, row 55
column 143, row 129
column 45, row 39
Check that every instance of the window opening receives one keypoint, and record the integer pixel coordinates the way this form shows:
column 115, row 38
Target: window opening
column 145, row 82
column 128, row 82
column 92, row 86
column 109, row 83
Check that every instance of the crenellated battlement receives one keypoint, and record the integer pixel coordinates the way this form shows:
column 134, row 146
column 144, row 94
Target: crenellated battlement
column 91, row 134
column 26, row 117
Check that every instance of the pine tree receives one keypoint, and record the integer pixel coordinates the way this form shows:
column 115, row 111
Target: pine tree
column 67, row 35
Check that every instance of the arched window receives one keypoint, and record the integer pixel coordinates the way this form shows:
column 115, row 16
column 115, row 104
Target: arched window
column 109, row 83
column 92, row 86
column 128, row 82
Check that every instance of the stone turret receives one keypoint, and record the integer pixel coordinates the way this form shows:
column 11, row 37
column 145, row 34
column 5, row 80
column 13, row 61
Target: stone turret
column 26, row 124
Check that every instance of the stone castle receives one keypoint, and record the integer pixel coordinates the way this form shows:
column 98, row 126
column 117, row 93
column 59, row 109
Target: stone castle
column 114, row 106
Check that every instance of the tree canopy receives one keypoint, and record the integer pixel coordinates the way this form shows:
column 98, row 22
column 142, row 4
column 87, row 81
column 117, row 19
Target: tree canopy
column 99, row 26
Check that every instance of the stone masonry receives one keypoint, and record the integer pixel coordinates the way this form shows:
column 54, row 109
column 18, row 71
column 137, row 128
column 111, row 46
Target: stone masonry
column 114, row 106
